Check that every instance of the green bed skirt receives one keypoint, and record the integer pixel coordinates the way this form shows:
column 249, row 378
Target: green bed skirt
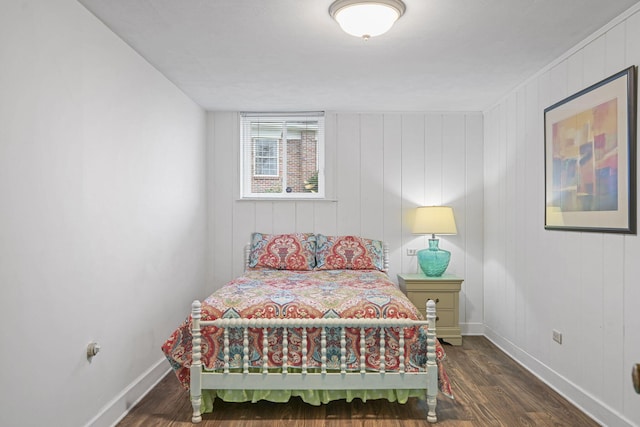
column 312, row 397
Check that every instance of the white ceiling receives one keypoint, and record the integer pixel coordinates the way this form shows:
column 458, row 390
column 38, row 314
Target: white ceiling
column 285, row 55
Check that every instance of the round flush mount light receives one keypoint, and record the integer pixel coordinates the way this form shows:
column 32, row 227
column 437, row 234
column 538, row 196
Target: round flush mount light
column 366, row 19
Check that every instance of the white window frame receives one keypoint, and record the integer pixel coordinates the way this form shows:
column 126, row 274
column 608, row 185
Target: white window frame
column 247, row 161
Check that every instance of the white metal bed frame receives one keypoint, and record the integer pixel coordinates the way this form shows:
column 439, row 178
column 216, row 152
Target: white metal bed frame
column 305, row 377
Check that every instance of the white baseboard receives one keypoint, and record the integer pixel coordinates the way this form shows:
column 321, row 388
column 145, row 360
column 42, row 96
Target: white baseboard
column 593, row 407
column 113, row 412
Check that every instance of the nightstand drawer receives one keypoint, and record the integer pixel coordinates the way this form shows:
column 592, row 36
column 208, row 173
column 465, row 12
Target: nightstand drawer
column 444, row 318
column 443, row 300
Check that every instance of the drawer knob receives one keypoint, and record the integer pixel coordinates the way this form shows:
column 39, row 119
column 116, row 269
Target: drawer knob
column 635, row 375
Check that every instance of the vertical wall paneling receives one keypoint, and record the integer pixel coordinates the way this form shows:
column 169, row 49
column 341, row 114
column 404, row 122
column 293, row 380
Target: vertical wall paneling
column 434, row 165
column 453, row 185
column 284, row 217
column 325, row 214
column 453, row 161
column 211, row 205
column 413, row 173
column 243, row 213
column 471, row 306
column 305, row 217
column 536, row 329
column 574, row 78
column 221, row 197
column 557, row 84
column 519, row 212
column 392, row 193
column 613, row 318
column 614, row 50
column 371, row 176
column 547, row 241
column 264, row 219
column 511, row 195
column 348, row 182
column 495, row 299
column 536, row 280
column 491, row 198
column 330, row 154
column 591, row 297
column 593, row 61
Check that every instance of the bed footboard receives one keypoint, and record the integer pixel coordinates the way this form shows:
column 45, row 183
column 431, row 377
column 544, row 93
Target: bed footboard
column 304, row 376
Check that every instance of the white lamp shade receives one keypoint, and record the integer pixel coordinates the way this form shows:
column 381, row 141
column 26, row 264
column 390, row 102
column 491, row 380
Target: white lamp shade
column 366, row 18
column 434, row 220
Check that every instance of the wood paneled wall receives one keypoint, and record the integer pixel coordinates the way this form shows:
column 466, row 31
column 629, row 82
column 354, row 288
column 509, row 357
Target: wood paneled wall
column 584, row 285
column 379, row 167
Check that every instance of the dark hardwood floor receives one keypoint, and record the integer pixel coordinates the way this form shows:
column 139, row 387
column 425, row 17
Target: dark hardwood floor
column 490, row 390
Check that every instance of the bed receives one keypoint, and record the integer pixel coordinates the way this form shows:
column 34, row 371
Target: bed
column 312, row 316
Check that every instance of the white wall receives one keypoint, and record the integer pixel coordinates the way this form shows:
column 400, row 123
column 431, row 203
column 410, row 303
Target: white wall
column 582, row 284
column 379, row 167
column 102, row 217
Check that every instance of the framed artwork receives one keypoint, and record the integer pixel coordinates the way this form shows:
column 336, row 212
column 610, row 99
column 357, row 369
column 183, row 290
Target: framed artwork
column 590, row 158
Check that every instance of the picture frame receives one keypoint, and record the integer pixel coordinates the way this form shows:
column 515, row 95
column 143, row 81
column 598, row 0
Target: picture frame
column 590, row 158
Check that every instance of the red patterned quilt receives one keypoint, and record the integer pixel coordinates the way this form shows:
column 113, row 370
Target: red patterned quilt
column 305, row 294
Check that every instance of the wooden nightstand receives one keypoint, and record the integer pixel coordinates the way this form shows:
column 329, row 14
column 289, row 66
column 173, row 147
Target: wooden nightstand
column 445, row 291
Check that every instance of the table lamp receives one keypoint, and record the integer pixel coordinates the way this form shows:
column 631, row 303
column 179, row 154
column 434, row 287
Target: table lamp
column 434, row 220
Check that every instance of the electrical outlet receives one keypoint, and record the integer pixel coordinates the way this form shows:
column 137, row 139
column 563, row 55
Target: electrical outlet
column 557, row 336
column 411, row 252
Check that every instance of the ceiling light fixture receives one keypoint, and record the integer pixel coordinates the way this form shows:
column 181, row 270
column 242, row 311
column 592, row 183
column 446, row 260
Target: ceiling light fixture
column 366, row 19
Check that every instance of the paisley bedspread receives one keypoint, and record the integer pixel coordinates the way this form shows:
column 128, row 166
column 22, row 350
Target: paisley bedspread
column 305, row 294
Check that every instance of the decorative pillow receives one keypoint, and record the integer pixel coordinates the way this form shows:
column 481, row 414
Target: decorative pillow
column 283, row 251
column 349, row 253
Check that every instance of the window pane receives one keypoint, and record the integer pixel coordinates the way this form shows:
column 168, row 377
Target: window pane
column 266, row 156
column 302, row 157
column 282, row 155
column 266, row 167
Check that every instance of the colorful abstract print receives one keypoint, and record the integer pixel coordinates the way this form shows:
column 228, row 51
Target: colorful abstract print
column 305, row 294
column 585, row 160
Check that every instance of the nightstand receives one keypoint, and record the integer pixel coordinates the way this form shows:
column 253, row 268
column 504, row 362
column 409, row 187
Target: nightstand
column 445, row 291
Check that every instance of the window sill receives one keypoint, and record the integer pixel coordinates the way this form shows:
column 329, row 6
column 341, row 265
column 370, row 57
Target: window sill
column 288, row 199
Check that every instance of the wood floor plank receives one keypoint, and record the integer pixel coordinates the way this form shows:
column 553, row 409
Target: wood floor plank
column 490, row 390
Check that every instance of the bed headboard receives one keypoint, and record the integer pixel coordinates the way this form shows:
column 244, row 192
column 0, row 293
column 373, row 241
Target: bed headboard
column 385, row 256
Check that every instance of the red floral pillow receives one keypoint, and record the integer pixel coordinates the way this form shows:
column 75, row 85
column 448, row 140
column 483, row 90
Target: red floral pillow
column 295, row 251
column 348, row 253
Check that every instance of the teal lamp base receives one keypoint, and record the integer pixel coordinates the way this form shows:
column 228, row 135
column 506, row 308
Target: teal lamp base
column 433, row 261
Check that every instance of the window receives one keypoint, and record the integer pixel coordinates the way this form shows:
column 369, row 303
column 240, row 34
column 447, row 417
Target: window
column 282, row 155
column 265, row 157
